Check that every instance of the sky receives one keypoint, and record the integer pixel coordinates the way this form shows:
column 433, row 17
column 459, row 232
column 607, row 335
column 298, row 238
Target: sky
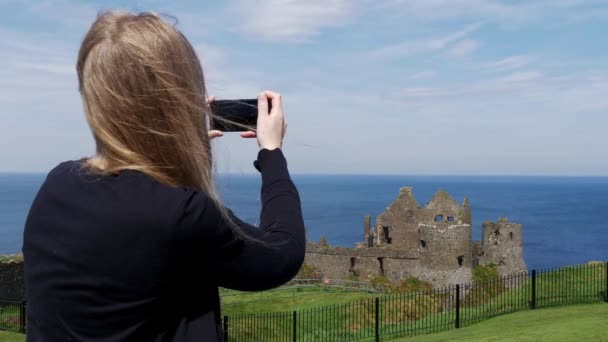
column 441, row 87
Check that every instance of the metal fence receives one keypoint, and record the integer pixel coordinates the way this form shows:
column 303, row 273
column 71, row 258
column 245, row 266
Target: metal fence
column 12, row 315
column 396, row 315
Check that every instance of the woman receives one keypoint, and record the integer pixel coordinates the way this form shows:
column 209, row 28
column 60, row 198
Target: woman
column 132, row 243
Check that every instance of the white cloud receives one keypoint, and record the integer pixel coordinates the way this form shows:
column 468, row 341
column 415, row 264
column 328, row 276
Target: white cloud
column 424, row 45
column 463, row 48
column 417, row 92
column 522, row 77
column 442, row 42
column 69, row 69
column 434, row 10
column 421, row 75
column 508, row 63
column 290, row 20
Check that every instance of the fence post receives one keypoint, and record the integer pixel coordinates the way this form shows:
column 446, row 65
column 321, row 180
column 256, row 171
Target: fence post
column 457, row 306
column 22, row 318
column 294, row 325
column 533, row 294
column 377, row 319
column 225, row 328
column 606, row 293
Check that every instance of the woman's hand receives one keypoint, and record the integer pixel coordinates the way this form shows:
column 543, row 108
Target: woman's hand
column 271, row 126
column 212, row 134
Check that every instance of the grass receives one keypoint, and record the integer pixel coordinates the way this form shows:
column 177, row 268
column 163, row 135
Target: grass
column 6, row 336
column 287, row 299
column 11, row 258
column 9, row 317
column 417, row 313
column 571, row 323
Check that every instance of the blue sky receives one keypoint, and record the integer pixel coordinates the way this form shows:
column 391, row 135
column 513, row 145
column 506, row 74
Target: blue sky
column 381, row 87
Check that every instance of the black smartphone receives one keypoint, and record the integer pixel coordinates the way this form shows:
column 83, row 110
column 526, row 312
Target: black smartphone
column 243, row 112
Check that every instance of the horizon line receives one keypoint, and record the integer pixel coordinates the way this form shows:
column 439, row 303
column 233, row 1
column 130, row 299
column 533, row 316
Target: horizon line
column 372, row 174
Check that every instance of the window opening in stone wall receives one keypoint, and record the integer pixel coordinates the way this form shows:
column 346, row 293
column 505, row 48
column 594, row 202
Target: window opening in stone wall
column 511, row 235
column 352, row 263
column 501, row 263
column 381, row 264
column 386, row 234
column 496, row 232
column 460, row 260
column 450, row 218
column 423, row 243
column 438, row 218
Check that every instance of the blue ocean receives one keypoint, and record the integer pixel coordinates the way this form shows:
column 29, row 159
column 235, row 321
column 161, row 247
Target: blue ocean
column 565, row 219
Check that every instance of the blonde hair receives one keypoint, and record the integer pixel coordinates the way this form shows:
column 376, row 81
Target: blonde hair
column 144, row 97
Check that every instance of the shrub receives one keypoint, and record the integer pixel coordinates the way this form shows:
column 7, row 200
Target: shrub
column 487, row 284
column 485, row 273
column 412, row 284
column 309, row 272
column 381, row 283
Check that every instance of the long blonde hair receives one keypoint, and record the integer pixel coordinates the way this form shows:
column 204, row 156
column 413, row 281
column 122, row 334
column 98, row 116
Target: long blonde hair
column 144, row 97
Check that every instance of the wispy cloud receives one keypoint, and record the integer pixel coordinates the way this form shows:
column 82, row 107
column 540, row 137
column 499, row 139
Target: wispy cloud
column 508, row 63
column 463, row 48
column 425, row 45
column 288, row 20
column 435, row 10
column 69, row 69
column 422, row 75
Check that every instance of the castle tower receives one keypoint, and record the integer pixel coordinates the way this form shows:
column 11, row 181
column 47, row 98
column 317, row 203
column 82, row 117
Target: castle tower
column 464, row 215
column 397, row 226
column 502, row 245
column 445, row 240
column 367, row 234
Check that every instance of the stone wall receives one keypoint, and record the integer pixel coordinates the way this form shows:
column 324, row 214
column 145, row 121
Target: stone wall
column 432, row 243
column 11, row 280
column 502, row 245
column 399, row 221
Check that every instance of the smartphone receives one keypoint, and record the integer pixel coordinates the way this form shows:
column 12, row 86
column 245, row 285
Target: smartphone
column 243, row 112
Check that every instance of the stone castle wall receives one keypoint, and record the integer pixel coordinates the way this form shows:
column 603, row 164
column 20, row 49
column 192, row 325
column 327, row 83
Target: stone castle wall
column 12, row 284
column 502, row 245
column 432, row 243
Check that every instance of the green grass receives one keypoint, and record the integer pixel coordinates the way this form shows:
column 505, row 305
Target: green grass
column 571, row 323
column 287, row 299
column 11, row 257
column 417, row 314
column 9, row 317
column 11, row 337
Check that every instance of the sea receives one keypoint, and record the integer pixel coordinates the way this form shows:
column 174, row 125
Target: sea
column 565, row 219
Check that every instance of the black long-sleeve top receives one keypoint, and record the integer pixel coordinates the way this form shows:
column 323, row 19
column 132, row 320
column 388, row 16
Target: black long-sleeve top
column 126, row 258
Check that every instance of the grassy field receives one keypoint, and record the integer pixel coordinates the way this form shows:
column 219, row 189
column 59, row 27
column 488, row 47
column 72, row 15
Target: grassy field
column 11, row 337
column 571, row 323
column 11, row 257
column 587, row 322
column 287, row 299
column 417, row 314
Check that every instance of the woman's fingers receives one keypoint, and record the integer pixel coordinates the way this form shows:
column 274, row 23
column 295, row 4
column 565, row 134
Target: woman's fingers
column 270, row 125
column 210, row 99
column 248, row 134
column 276, row 101
column 212, row 134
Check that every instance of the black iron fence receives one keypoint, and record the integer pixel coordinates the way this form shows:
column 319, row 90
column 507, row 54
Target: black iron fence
column 12, row 315
column 396, row 315
column 408, row 314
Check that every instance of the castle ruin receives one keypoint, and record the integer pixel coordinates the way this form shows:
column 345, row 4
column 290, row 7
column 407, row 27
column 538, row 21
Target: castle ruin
column 432, row 243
